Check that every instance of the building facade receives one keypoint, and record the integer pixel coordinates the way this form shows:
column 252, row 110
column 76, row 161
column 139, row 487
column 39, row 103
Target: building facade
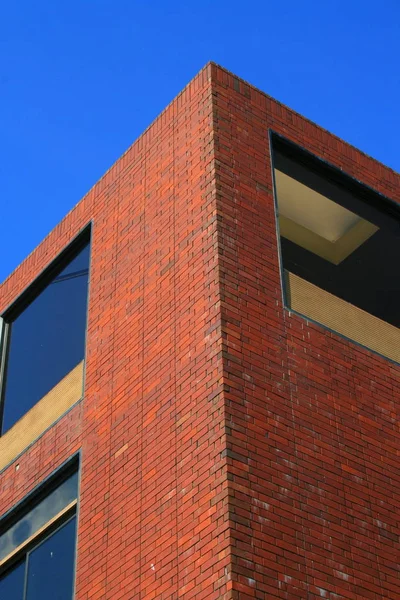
column 200, row 369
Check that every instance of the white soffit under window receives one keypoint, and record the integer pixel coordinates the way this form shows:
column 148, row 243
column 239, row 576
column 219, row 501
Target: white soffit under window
column 316, row 223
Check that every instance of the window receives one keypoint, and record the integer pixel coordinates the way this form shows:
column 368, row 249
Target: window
column 37, row 548
column 44, row 336
column 340, row 249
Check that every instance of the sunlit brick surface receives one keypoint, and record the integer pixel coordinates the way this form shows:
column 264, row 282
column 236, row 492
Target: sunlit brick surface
column 230, row 449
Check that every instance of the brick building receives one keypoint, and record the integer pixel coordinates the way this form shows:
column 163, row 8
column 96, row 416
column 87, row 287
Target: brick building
column 200, row 369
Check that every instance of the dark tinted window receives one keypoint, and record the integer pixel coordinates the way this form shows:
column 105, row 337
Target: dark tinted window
column 47, row 340
column 50, row 566
column 340, row 249
column 48, row 569
column 37, row 541
column 12, row 584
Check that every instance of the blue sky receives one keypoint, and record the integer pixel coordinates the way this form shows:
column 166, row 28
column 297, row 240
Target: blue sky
column 80, row 80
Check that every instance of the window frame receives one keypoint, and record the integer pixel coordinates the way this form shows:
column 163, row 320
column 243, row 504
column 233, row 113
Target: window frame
column 27, row 296
column 17, row 513
column 376, row 202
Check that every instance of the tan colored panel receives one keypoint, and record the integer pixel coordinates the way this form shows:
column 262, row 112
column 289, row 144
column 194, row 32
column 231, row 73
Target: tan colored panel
column 317, row 223
column 307, row 239
column 42, row 415
column 334, row 252
column 343, row 317
column 312, row 210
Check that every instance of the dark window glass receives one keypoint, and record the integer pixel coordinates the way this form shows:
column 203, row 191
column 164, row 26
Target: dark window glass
column 40, row 514
column 38, row 548
column 335, row 238
column 47, row 340
column 327, row 217
column 12, row 584
column 51, row 566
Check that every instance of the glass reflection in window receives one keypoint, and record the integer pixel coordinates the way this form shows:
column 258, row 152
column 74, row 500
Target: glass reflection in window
column 47, row 340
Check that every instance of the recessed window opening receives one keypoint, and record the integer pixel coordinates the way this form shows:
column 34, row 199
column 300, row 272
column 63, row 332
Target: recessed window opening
column 340, row 249
column 44, row 343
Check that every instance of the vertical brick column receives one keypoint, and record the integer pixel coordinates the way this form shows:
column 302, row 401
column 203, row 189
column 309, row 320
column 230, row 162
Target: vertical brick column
column 154, row 488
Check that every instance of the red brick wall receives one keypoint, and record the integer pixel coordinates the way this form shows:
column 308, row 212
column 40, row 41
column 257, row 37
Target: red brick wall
column 313, row 435
column 229, row 449
column 152, row 515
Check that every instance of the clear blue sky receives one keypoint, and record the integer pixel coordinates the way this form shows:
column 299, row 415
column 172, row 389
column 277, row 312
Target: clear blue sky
column 81, row 79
